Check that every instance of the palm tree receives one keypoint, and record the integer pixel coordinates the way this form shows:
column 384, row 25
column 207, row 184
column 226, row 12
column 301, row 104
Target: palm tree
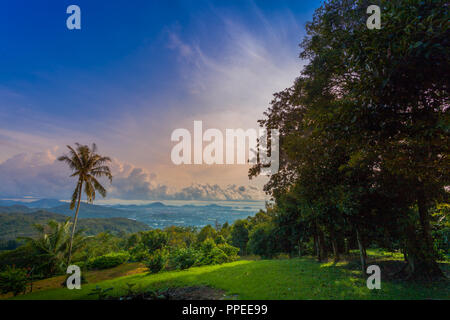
column 52, row 243
column 87, row 165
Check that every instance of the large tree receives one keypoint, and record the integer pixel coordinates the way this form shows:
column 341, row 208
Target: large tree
column 88, row 166
column 367, row 120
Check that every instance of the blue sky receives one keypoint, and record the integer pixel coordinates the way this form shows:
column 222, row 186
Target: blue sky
column 136, row 71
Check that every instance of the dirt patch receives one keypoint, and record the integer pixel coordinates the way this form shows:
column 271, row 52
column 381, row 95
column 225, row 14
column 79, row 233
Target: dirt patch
column 177, row 293
column 195, row 293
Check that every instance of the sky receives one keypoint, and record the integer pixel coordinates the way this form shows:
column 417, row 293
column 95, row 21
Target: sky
column 135, row 72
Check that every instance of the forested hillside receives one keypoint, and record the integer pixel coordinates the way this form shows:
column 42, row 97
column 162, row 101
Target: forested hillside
column 19, row 224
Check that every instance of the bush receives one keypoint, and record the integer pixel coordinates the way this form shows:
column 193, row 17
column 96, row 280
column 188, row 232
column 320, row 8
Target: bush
column 157, row 261
column 109, row 260
column 154, row 239
column 230, row 251
column 183, row 258
column 217, row 254
column 22, row 257
column 13, row 280
column 139, row 253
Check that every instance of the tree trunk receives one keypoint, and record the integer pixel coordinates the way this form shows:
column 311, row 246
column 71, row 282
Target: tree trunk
column 321, row 245
column 335, row 250
column 362, row 252
column 334, row 245
column 316, row 246
column 346, row 246
column 421, row 261
column 425, row 224
column 74, row 223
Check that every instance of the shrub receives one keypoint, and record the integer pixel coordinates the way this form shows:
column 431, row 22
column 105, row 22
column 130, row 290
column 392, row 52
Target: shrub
column 109, row 260
column 22, row 257
column 154, row 239
column 183, row 258
column 139, row 253
column 13, row 280
column 217, row 254
column 157, row 261
column 230, row 251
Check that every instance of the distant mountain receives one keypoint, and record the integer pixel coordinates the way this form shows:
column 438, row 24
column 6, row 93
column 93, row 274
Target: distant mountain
column 92, row 211
column 154, row 205
column 20, row 224
column 139, row 206
column 213, row 205
column 44, row 203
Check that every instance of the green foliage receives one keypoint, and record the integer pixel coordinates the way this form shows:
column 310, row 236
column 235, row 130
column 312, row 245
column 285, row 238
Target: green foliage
column 157, row 261
column 184, row 258
column 15, row 224
column 139, row 253
column 239, row 235
column 101, row 244
column 205, row 233
column 263, row 240
column 13, row 280
column 211, row 253
column 22, row 257
column 220, row 239
column 181, row 237
column 52, row 245
column 441, row 229
column 100, row 293
column 109, row 260
column 363, row 134
column 154, row 239
column 229, row 250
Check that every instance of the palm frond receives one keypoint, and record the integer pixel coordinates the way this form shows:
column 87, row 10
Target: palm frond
column 75, row 196
column 89, row 191
column 98, row 187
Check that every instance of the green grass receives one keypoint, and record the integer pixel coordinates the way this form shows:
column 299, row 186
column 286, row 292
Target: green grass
column 299, row 278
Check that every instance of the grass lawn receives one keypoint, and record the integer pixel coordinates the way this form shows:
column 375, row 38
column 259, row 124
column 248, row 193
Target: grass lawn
column 299, row 278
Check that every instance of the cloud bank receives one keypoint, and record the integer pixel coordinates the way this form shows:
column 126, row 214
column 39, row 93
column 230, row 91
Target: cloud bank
column 40, row 175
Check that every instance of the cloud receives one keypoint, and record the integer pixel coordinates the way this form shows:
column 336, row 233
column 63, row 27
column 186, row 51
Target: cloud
column 250, row 66
column 40, row 175
column 34, row 175
column 175, row 43
column 215, row 192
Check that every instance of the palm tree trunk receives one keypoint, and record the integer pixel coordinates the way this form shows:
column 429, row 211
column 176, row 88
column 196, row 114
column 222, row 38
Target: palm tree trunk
column 74, row 223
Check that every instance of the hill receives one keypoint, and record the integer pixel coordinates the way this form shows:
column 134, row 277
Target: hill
column 15, row 208
column 20, row 224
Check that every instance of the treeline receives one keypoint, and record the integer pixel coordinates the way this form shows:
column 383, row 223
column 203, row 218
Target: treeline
column 45, row 255
column 364, row 135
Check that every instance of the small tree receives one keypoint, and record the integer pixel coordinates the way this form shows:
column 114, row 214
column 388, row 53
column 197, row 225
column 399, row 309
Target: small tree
column 13, row 280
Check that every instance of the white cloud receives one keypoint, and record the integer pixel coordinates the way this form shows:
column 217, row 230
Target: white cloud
column 40, row 175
